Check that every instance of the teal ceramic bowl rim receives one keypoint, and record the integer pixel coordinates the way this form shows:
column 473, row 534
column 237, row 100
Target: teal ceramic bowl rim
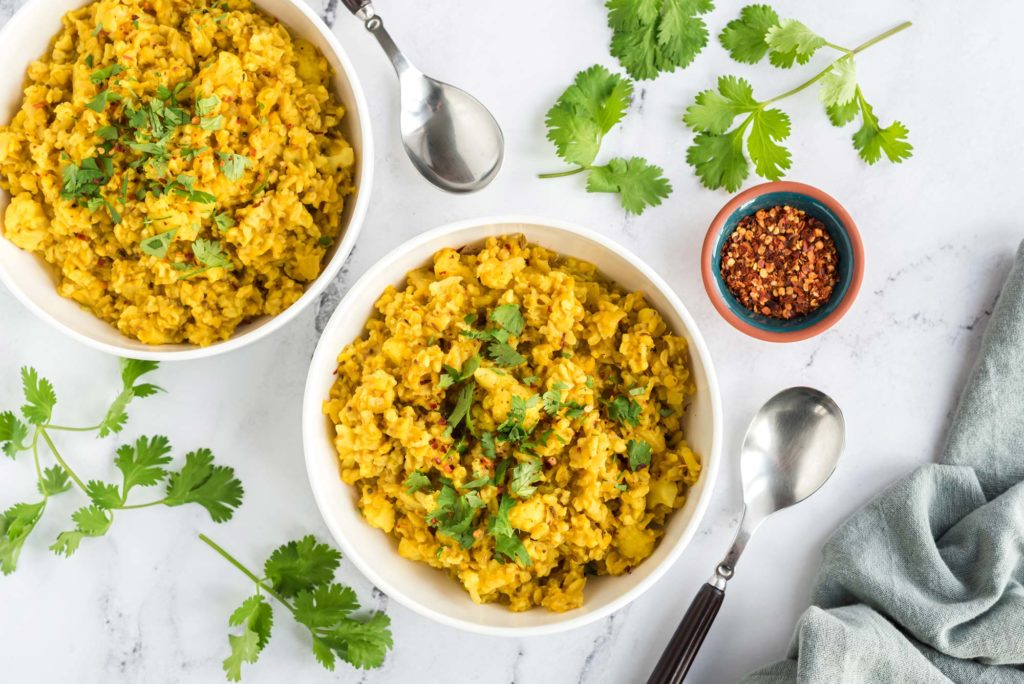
column 841, row 228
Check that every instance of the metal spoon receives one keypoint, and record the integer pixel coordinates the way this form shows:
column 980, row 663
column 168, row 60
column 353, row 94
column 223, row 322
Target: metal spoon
column 450, row 137
column 791, row 448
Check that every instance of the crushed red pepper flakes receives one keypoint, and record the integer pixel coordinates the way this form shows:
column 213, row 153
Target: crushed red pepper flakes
column 780, row 263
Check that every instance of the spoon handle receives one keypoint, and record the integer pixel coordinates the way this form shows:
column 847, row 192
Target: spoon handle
column 683, row 646
column 355, row 5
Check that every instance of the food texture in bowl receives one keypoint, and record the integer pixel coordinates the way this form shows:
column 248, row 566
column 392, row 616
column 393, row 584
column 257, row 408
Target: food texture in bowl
column 180, row 165
column 513, row 418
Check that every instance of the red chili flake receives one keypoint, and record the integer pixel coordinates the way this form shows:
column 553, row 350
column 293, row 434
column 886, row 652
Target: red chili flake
column 437, row 460
column 39, row 105
column 433, row 406
column 780, row 263
column 442, row 422
column 81, row 237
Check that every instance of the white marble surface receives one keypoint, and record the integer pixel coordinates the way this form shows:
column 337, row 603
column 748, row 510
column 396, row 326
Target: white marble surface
column 149, row 603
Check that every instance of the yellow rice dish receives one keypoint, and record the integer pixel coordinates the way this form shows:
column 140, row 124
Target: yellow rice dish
column 516, row 420
column 179, row 164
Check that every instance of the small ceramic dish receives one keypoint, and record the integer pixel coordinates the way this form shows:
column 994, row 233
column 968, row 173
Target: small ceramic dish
column 840, row 227
column 428, row 591
column 26, row 37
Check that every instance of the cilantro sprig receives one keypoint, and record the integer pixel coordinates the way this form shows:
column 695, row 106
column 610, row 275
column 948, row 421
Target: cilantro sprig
column 510, row 323
column 299, row 575
column 717, row 154
column 142, row 465
column 650, row 37
column 577, row 123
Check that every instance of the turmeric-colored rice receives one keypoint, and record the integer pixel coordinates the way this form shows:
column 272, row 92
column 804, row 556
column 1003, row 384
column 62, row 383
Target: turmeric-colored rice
column 598, row 376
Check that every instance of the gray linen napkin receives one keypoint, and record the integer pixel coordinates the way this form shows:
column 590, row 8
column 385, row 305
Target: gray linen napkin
column 926, row 582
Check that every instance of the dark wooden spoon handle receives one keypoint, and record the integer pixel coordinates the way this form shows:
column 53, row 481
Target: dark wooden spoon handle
column 355, row 5
column 683, row 647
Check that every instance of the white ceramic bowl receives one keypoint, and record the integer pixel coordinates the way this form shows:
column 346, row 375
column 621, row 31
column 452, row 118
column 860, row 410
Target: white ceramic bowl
column 431, row 592
column 25, row 38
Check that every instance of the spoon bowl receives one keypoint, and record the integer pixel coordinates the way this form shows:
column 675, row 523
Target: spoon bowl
column 450, row 137
column 791, row 449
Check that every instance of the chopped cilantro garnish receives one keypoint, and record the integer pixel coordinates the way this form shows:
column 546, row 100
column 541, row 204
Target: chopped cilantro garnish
column 624, row 410
column 462, row 405
column 637, row 391
column 507, row 543
column 99, row 103
column 210, row 254
column 525, row 477
column 504, row 355
column 478, row 481
column 205, row 105
column 212, row 123
column 101, row 75
column 512, row 429
column 416, row 481
column 639, row 454
column 509, row 318
column 158, row 244
column 223, row 221
column 325, row 241
column 455, row 515
column 234, row 165
column 451, row 376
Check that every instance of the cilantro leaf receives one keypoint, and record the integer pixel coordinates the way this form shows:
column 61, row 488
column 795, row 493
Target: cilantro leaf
column 871, row 140
column 158, row 244
column 586, row 112
column 99, row 103
column 212, row 123
column 455, row 515
column 462, row 406
column 510, row 318
column 839, row 86
column 451, row 376
column 256, row 618
column 767, row 128
column 213, row 487
column 640, row 184
column 714, row 111
column 416, row 481
column 654, row 36
column 624, row 410
column 91, row 521
column 361, row 643
column 324, row 605
column 507, row 543
column 55, row 480
column 234, row 165
column 210, row 254
column 104, row 495
column 791, row 41
column 301, row 565
column 101, row 75
column 40, row 397
column 206, row 105
column 142, row 465
column 13, row 434
column 525, row 477
column 131, row 371
column 513, row 429
column 744, row 37
column 639, row 454
column 717, row 154
column 487, row 445
column 16, row 523
column 223, row 221
column 503, row 354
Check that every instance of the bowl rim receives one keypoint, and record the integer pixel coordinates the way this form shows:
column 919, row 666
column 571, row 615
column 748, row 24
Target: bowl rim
column 718, row 224
column 311, row 293
column 312, row 426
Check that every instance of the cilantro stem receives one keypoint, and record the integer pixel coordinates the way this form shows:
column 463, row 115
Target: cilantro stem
column 35, row 456
column 127, row 507
column 51, row 426
column 63, row 463
column 245, row 571
column 840, row 48
column 849, row 55
column 562, row 174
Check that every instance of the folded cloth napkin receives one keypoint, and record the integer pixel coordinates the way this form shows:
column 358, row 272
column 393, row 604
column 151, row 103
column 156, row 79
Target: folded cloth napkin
column 926, row 582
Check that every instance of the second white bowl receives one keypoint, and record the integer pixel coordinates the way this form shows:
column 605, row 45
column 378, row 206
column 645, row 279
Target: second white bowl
column 427, row 590
column 25, row 38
